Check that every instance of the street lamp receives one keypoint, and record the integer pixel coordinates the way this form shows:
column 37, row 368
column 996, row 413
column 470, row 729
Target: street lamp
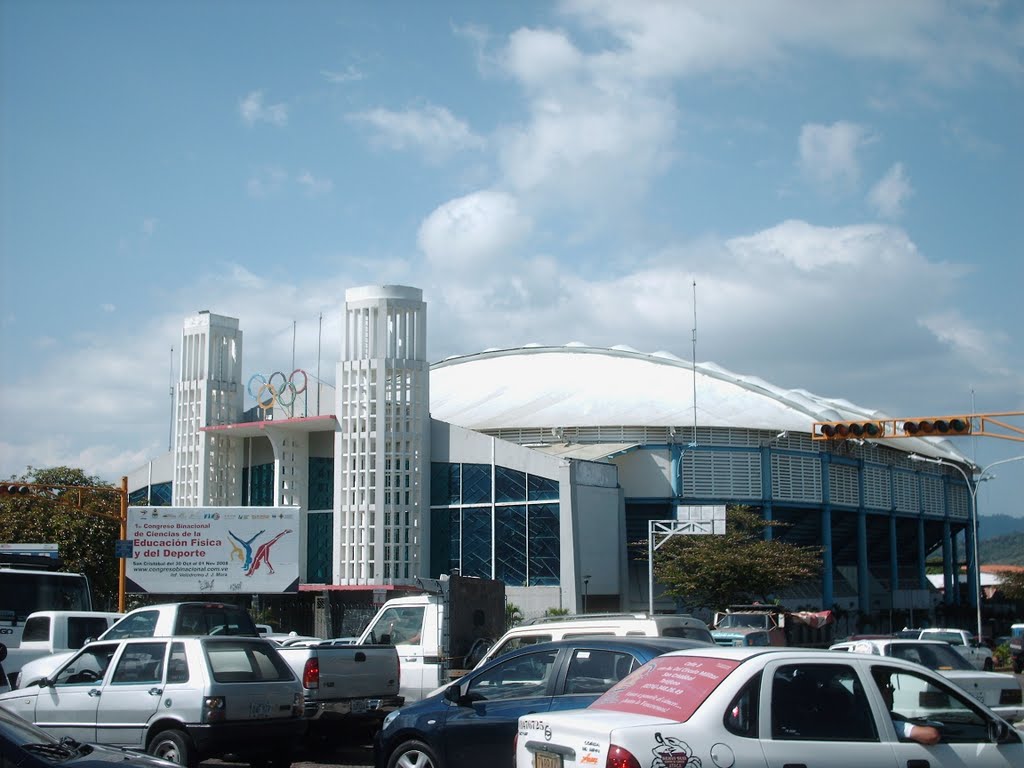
column 972, row 487
column 586, row 581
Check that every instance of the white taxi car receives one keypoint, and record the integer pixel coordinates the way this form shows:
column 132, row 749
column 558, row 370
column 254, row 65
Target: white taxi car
column 726, row 707
column 1000, row 692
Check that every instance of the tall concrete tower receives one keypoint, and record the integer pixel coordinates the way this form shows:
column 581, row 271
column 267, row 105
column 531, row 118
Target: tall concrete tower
column 208, row 468
column 381, row 451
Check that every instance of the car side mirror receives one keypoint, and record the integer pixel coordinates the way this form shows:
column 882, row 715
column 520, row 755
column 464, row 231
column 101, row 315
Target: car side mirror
column 998, row 732
column 385, row 639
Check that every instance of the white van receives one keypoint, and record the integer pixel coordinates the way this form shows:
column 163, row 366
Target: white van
column 548, row 628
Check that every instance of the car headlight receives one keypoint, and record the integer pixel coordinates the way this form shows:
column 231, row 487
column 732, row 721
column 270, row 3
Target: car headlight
column 389, row 719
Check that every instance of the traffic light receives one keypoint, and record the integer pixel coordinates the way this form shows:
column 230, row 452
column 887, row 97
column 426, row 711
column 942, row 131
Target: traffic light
column 844, row 430
column 956, row 425
column 10, row 489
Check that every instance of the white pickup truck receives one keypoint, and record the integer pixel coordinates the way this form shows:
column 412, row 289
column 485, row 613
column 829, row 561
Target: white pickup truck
column 49, row 632
column 964, row 643
column 192, row 618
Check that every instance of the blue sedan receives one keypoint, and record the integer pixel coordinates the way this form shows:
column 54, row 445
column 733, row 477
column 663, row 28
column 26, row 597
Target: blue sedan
column 473, row 721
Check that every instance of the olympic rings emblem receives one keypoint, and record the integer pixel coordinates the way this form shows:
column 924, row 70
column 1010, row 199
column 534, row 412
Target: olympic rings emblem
column 278, row 389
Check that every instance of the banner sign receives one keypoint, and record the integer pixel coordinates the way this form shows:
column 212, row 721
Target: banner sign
column 182, row 550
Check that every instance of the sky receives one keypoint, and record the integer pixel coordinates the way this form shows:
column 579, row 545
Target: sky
column 831, row 194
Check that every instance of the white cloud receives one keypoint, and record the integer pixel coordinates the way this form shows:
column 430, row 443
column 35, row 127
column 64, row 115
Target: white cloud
column 314, row 186
column 891, row 192
column 253, row 110
column 433, row 130
column 828, row 153
column 108, row 307
column 348, row 75
column 474, row 232
column 149, row 225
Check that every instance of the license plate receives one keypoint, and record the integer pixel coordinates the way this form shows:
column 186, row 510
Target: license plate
column 358, row 706
column 547, row 760
column 258, row 710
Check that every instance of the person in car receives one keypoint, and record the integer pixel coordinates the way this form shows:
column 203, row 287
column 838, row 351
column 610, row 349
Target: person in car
column 905, row 730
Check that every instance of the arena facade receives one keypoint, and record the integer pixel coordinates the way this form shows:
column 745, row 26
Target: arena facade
column 542, row 466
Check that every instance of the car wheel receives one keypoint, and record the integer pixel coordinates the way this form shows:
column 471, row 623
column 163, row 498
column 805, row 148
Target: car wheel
column 987, row 666
column 175, row 746
column 413, row 754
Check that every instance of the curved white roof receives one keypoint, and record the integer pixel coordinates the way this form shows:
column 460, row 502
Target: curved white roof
column 579, row 386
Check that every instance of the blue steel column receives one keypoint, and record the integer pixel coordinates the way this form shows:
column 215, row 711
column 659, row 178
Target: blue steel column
column 947, row 564
column 894, row 566
column 827, row 585
column 956, row 568
column 863, row 590
column 922, row 556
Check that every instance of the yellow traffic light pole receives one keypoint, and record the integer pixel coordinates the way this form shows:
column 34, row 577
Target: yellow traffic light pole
column 37, row 490
column 974, row 424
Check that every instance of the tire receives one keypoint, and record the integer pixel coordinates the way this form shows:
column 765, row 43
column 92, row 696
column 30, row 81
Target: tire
column 1018, row 664
column 175, row 746
column 413, row 754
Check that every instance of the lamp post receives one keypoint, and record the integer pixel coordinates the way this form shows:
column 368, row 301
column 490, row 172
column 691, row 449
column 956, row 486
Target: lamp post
column 586, row 582
column 972, row 487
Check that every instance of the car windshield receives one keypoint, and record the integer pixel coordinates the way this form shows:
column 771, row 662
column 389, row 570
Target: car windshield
column 934, row 656
column 736, row 620
column 668, row 686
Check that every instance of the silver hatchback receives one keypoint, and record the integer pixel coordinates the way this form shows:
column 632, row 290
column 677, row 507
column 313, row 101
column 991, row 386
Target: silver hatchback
column 184, row 699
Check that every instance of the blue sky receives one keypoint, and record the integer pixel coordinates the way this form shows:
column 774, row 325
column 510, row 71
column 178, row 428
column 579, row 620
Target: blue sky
column 843, row 182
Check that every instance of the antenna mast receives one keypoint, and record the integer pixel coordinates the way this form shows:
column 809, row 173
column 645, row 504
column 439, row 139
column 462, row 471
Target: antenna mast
column 694, row 343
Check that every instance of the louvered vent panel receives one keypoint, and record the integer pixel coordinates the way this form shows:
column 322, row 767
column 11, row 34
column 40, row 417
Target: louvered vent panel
column 905, row 486
column 796, row 479
column 711, row 474
column 931, row 495
column 877, row 493
column 958, row 501
column 842, row 485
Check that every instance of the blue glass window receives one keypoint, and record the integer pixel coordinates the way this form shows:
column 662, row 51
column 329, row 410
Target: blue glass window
column 444, row 483
column 543, row 553
column 319, row 547
column 509, row 485
column 442, row 544
column 541, row 489
column 476, row 483
column 476, row 542
column 510, row 545
column 321, row 483
column 158, row 495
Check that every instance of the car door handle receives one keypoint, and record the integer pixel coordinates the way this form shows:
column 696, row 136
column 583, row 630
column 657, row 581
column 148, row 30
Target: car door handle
column 155, row 691
column 918, row 764
column 94, row 692
column 794, row 765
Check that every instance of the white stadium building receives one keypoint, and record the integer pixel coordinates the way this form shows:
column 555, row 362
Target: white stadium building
column 543, row 467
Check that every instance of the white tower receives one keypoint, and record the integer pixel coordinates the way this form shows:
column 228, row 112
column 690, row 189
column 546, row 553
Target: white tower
column 208, row 468
column 381, row 453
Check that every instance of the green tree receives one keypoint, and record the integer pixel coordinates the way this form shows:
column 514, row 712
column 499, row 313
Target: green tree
column 1012, row 584
column 738, row 566
column 71, row 519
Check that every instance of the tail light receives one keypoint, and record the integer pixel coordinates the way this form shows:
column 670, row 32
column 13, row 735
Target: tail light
column 1009, row 696
column 311, row 674
column 215, row 709
column 619, row 757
